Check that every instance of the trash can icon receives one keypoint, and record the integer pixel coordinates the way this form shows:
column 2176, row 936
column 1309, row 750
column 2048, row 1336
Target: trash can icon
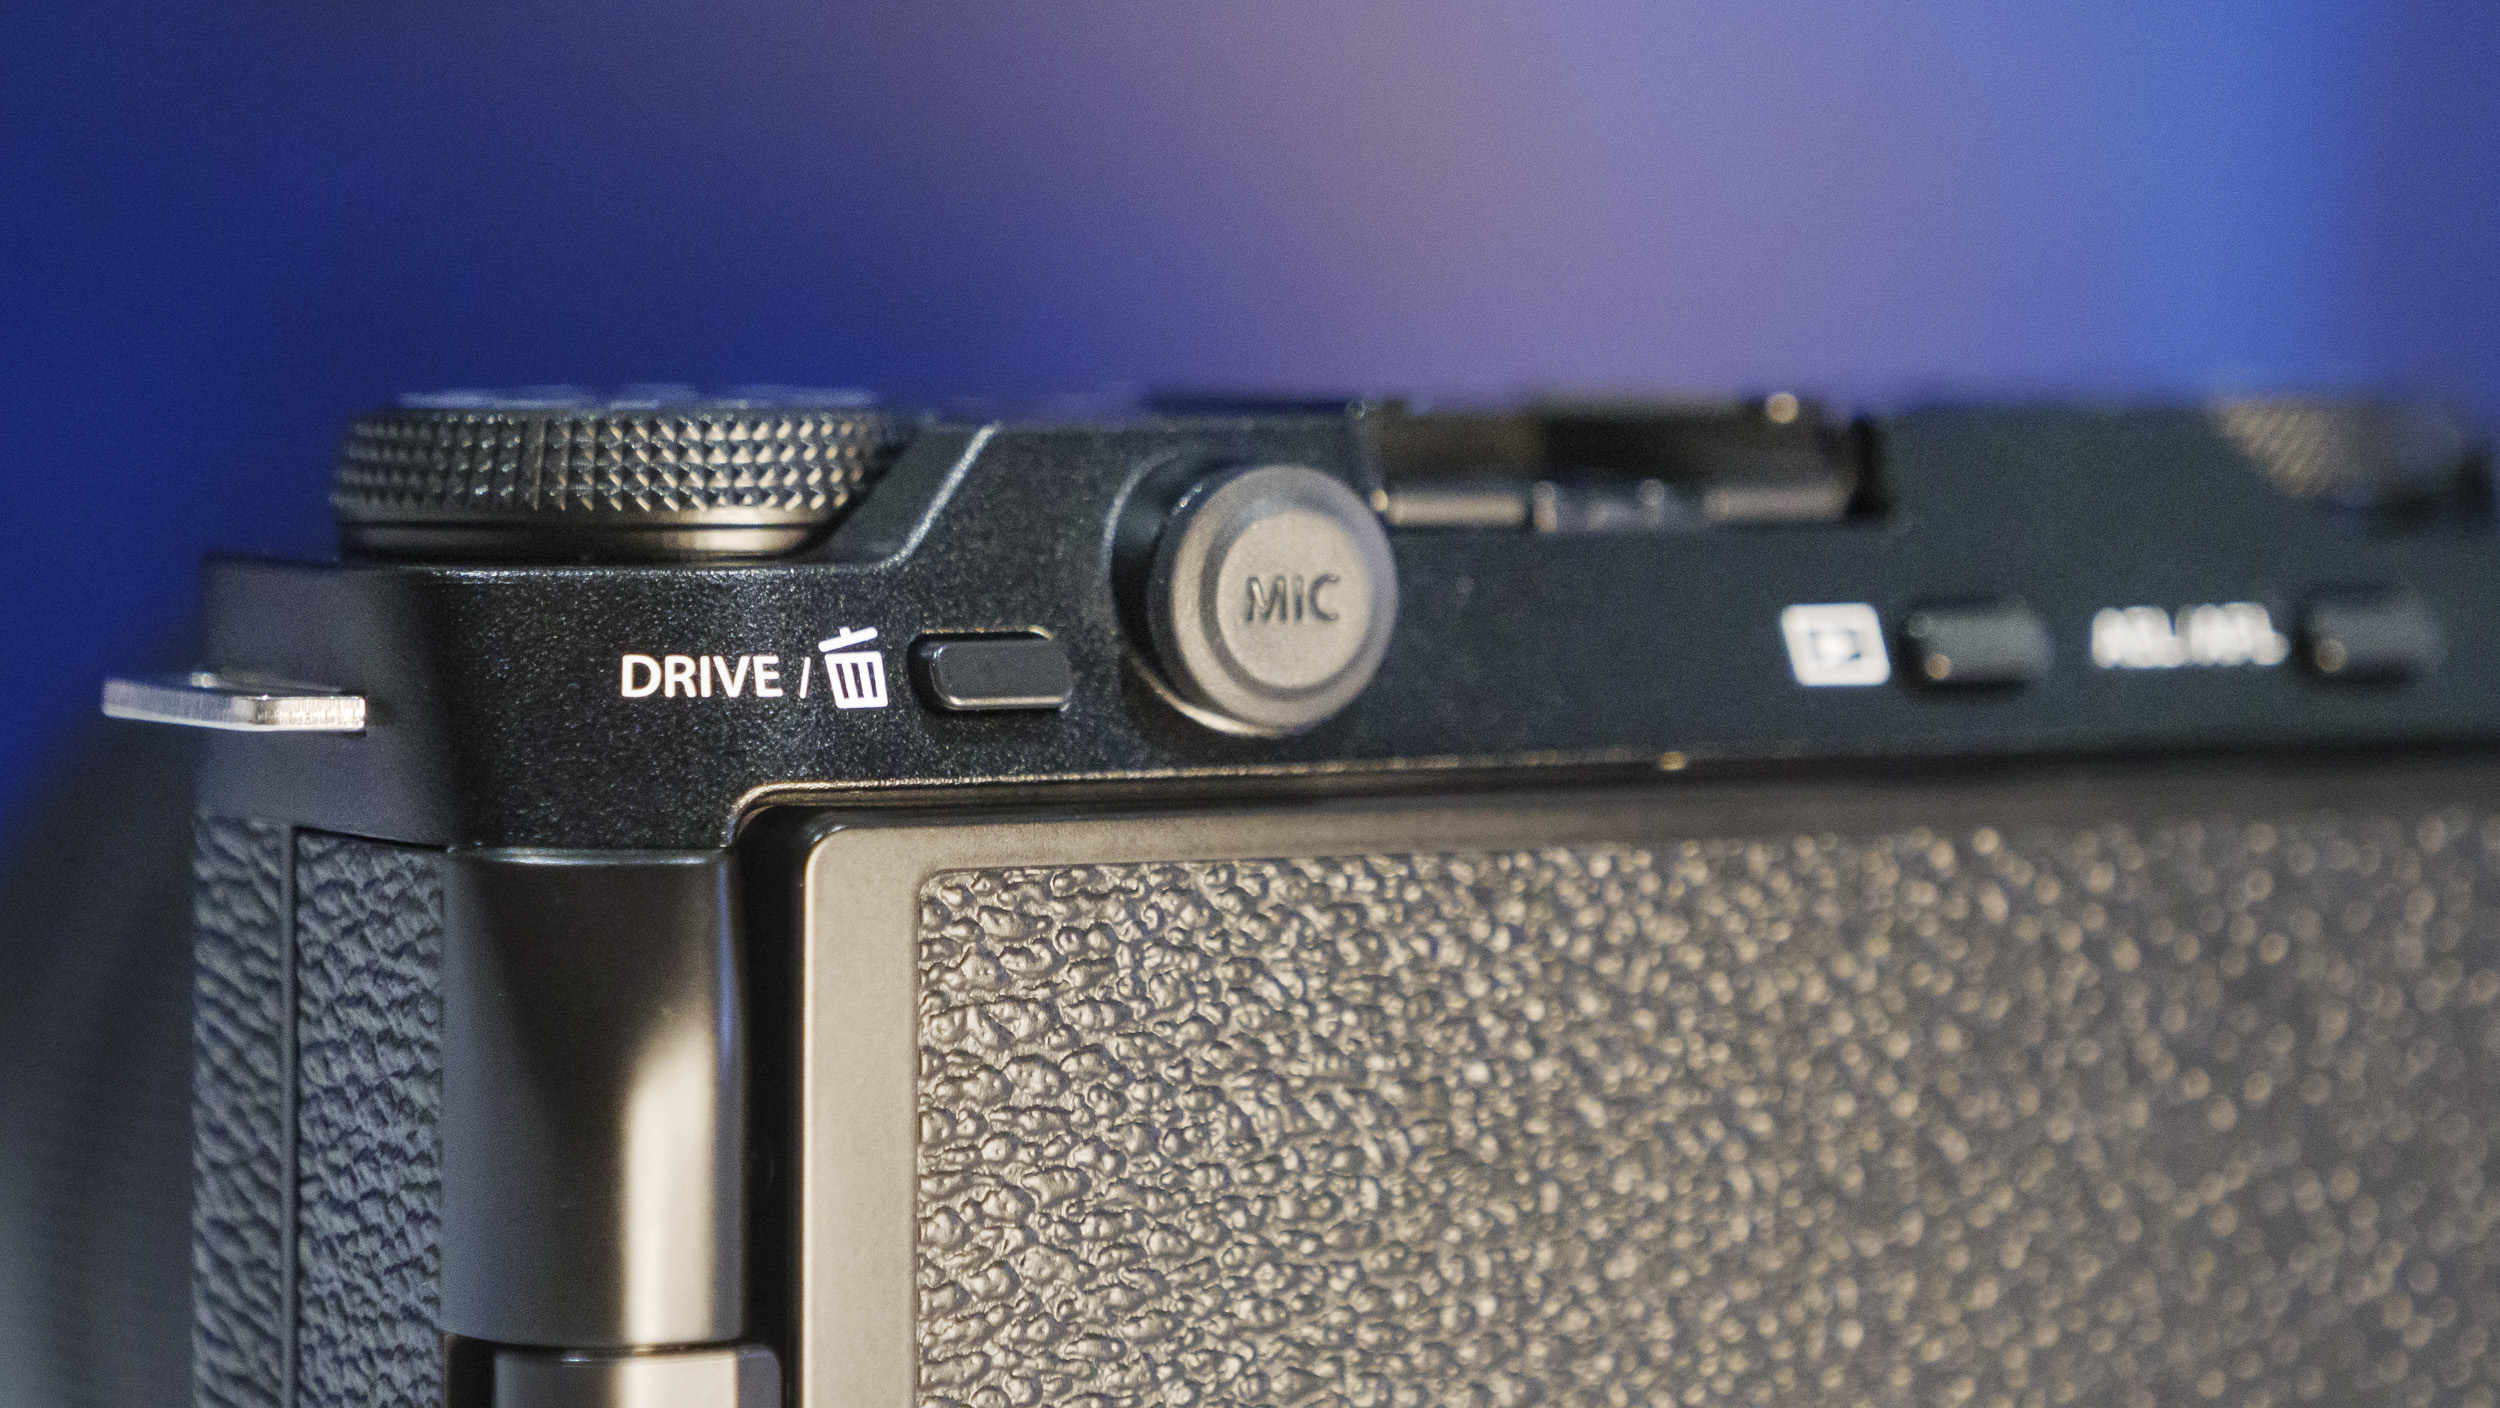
column 856, row 677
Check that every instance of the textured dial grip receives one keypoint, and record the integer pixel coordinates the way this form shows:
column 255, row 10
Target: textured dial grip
column 604, row 480
column 2368, row 455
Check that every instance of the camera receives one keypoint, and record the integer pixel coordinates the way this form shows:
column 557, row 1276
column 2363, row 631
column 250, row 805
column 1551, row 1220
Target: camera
column 776, row 900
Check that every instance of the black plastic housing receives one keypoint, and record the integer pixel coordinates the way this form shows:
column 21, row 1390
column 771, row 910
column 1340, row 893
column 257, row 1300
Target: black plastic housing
column 547, row 856
column 498, row 718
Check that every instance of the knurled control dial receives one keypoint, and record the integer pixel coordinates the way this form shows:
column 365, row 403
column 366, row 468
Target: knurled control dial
column 1272, row 597
column 588, row 479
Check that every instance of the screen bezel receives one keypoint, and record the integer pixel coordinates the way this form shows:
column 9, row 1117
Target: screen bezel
column 857, row 918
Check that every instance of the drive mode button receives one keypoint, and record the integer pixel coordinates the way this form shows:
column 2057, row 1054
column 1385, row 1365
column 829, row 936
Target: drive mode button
column 1272, row 596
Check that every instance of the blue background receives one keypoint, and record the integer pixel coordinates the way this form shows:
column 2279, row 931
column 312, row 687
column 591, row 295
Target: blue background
column 225, row 227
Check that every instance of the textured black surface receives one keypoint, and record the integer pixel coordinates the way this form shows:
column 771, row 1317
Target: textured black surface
column 612, row 461
column 241, row 1122
column 369, row 927
column 2127, row 1112
column 500, row 718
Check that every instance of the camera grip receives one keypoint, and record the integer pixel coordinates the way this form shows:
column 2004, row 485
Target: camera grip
column 317, row 1221
column 241, row 1130
column 488, row 1096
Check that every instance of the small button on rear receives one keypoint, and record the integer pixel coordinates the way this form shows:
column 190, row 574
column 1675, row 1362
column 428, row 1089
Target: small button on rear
column 981, row 673
column 2389, row 636
column 1997, row 644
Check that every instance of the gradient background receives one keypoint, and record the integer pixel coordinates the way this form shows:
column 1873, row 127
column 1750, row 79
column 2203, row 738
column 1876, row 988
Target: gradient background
column 224, row 227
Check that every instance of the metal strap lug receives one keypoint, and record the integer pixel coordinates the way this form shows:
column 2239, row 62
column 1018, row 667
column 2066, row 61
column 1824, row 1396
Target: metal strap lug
column 237, row 702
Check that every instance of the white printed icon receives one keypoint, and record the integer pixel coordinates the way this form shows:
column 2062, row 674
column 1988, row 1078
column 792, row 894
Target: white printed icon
column 856, row 677
column 2217, row 633
column 1839, row 642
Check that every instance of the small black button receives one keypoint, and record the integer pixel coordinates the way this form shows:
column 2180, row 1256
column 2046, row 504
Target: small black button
column 2391, row 636
column 2003, row 643
column 992, row 672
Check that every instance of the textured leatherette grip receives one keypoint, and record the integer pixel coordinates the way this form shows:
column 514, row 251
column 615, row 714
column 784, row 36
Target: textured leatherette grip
column 369, row 942
column 317, row 1095
column 240, row 1117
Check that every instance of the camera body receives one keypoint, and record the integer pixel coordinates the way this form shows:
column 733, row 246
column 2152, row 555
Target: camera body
column 774, row 901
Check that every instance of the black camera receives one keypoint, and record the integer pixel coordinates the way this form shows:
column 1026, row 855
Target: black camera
column 781, row 901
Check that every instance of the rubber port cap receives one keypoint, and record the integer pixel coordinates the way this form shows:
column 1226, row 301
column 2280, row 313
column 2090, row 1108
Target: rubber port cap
column 1272, row 597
